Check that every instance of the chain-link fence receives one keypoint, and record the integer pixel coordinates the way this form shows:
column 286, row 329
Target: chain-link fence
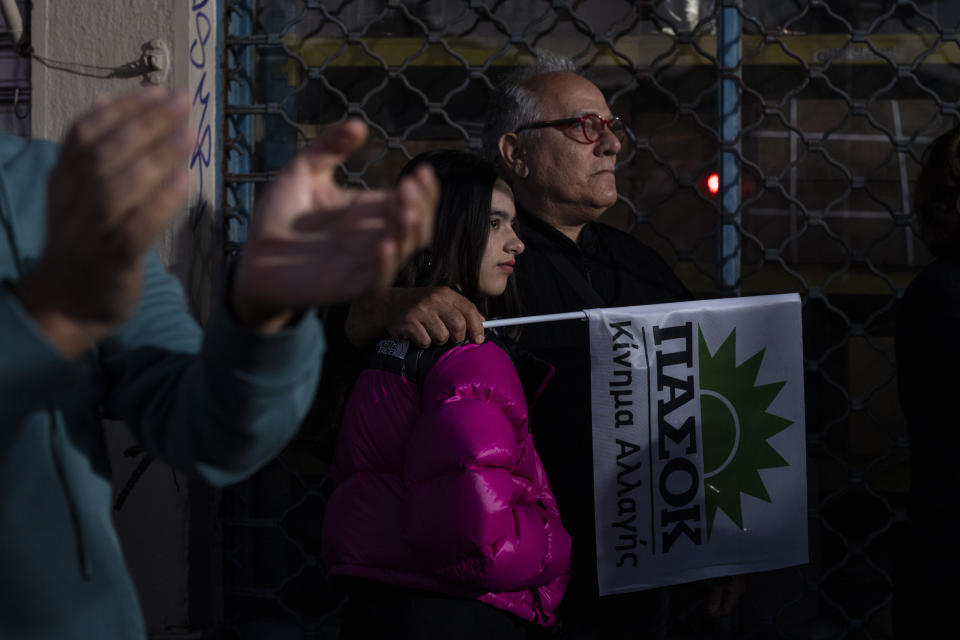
column 815, row 150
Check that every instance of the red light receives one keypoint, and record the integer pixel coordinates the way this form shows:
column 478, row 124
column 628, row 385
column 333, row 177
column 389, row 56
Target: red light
column 713, row 183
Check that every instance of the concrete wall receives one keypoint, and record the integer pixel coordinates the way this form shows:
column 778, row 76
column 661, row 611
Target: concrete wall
column 79, row 46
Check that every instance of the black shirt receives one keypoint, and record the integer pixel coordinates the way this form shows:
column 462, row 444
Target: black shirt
column 928, row 348
column 614, row 270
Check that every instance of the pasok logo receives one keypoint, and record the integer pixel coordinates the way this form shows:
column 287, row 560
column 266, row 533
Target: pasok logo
column 736, row 427
column 699, row 440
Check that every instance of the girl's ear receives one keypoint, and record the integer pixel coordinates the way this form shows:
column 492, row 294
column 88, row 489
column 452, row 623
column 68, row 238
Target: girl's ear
column 512, row 155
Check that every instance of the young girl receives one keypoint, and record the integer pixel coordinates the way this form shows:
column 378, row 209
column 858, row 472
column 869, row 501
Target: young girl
column 442, row 523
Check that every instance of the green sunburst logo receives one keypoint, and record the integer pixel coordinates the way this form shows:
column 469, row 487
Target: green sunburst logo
column 736, row 427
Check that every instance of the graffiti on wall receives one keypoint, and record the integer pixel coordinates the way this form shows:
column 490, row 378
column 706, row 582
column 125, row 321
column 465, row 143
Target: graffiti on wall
column 202, row 56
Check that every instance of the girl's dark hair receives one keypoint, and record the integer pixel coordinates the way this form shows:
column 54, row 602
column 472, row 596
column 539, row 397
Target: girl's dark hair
column 462, row 227
column 935, row 195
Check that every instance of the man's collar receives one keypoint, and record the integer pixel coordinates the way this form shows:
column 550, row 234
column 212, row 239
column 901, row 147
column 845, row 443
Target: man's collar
column 555, row 237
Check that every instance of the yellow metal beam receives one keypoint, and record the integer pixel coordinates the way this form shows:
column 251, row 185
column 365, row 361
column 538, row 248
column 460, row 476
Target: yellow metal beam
column 651, row 51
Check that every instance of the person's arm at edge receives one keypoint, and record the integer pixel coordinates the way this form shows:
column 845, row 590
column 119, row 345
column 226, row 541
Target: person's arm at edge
column 32, row 370
column 255, row 380
column 219, row 403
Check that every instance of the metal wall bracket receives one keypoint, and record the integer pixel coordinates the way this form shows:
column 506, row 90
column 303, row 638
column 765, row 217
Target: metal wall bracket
column 156, row 61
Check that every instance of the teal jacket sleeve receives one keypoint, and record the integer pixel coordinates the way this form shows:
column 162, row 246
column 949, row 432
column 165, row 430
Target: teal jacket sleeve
column 33, row 374
column 218, row 404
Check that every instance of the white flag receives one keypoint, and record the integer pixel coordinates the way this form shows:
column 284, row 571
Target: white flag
column 698, row 440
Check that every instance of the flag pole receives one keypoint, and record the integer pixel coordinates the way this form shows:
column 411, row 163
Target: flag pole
column 552, row 317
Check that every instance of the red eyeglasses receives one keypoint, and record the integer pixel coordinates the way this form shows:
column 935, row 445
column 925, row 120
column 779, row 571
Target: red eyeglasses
column 591, row 124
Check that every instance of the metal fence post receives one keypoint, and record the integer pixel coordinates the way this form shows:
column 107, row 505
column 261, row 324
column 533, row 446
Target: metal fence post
column 239, row 63
column 728, row 102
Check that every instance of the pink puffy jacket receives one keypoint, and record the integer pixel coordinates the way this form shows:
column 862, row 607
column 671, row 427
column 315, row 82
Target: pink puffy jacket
column 440, row 488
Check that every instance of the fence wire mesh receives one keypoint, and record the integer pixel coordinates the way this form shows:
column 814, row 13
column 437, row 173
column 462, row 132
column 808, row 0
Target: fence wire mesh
column 837, row 100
